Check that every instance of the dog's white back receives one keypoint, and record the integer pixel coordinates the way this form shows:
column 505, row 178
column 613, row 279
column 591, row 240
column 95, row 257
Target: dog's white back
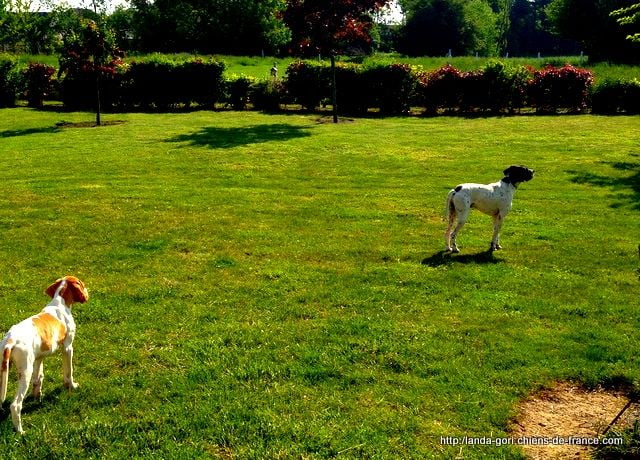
column 493, row 199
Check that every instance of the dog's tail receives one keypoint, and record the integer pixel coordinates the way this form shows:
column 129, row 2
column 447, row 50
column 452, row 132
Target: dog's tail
column 4, row 368
column 449, row 207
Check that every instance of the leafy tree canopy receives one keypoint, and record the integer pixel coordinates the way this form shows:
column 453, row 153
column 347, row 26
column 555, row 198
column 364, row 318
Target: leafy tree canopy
column 590, row 22
column 330, row 26
column 209, row 26
column 434, row 27
column 629, row 16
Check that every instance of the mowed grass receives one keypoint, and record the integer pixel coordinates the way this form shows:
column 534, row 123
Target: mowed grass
column 274, row 287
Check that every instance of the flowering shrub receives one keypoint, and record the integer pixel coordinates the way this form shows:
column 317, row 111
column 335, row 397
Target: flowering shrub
column 496, row 88
column 441, row 88
column 554, row 88
column 39, row 83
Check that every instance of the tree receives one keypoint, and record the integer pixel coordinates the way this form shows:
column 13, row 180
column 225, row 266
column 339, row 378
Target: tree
column 23, row 28
column 629, row 16
column 530, row 31
column 209, row 26
column 89, row 54
column 434, row 27
column 330, row 27
column 503, row 10
column 590, row 23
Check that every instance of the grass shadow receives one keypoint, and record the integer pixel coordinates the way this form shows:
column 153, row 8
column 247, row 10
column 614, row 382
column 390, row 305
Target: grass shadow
column 29, row 131
column 30, row 404
column 446, row 258
column 630, row 182
column 217, row 138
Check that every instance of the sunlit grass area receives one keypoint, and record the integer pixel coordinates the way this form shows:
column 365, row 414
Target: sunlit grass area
column 275, row 287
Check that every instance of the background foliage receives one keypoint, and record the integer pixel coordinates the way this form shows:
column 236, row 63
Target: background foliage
column 277, row 27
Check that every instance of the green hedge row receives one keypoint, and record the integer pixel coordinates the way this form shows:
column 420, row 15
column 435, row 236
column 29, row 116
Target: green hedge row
column 395, row 88
column 389, row 89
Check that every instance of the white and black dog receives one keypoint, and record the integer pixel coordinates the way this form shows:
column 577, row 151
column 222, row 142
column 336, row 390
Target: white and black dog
column 492, row 199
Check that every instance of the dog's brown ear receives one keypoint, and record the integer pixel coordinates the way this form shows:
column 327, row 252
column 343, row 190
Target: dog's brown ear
column 80, row 293
column 51, row 290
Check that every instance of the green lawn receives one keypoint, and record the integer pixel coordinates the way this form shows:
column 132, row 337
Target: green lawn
column 274, row 287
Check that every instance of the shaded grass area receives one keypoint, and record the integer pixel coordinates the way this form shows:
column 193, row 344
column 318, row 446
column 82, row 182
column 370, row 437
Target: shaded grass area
column 270, row 286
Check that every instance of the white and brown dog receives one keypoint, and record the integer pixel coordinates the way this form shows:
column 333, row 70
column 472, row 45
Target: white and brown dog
column 28, row 342
column 492, row 199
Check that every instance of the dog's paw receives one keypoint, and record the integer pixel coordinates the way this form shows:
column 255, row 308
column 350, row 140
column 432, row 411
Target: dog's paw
column 71, row 385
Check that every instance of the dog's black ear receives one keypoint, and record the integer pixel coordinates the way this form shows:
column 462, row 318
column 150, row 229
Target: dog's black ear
column 508, row 171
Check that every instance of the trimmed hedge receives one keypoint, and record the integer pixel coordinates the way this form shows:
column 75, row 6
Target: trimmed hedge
column 394, row 89
column 555, row 88
column 161, row 84
column 390, row 88
column 268, row 96
column 154, row 84
column 39, row 83
column 8, row 81
column 617, row 96
column 309, row 83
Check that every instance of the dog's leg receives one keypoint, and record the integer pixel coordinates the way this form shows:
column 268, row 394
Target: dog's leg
column 462, row 219
column 38, row 377
column 67, row 364
column 24, row 366
column 497, row 225
column 447, row 233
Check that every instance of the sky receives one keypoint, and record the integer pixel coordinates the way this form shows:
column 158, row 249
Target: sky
column 394, row 12
column 111, row 4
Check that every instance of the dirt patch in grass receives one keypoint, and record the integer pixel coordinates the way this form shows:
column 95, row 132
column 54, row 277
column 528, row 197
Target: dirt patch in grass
column 329, row 119
column 88, row 124
column 572, row 414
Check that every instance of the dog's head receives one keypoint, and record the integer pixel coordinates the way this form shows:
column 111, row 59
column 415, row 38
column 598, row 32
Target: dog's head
column 74, row 291
column 517, row 174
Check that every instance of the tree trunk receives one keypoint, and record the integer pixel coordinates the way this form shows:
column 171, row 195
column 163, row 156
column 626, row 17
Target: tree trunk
column 98, row 98
column 334, row 92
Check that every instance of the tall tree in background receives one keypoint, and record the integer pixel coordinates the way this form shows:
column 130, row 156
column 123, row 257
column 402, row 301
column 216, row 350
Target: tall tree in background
column 590, row 22
column 209, row 26
column 530, row 31
column 24, row 29
column 330, row 27
column 503, row 10
column 433, row 27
